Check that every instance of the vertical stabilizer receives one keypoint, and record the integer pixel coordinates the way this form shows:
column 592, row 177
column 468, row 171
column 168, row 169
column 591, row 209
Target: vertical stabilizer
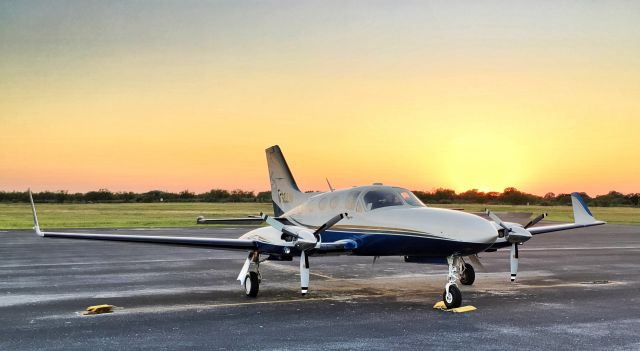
column 285, row 193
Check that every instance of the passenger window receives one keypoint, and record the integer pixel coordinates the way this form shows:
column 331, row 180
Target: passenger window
column 333, row 203
column 311, row 206
column 322, row 204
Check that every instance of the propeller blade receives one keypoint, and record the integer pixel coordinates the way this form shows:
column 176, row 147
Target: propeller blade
column 304, row 273
column 514, row 261
column 272, row 221
column 535, row 220
column 477, row 264
column 497, row 220
column 330, row 223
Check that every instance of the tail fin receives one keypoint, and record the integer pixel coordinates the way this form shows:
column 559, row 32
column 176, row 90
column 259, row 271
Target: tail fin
column 285, row 193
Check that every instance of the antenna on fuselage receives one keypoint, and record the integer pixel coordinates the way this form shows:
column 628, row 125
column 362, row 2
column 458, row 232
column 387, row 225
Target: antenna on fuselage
column 329, row 184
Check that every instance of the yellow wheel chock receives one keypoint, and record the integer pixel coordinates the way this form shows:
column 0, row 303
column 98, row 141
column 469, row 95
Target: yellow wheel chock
column 441, row 306
column 97, row 309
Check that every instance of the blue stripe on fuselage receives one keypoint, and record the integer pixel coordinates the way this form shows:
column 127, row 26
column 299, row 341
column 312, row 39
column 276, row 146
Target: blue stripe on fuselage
column 380, row 244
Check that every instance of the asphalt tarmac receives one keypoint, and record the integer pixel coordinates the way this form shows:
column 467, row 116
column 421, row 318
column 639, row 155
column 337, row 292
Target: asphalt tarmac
column 576, row 290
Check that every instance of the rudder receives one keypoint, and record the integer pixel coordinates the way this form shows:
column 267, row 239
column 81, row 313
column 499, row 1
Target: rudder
column 285, row 193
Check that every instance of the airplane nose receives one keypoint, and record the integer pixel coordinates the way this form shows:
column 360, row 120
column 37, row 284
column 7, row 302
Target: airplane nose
column 483, row 231
column 488, row 235
column 470, row 228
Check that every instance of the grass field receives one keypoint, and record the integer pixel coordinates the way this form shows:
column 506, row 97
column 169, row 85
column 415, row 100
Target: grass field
column 18, row 216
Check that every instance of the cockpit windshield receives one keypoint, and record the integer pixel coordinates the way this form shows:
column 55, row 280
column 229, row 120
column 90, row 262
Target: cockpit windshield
column 379, row 198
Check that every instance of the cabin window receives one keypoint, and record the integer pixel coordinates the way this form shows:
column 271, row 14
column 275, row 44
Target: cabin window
column 352, row 197
column 381, row 198
column 410, row 198
column 333, row 202
column 311, row 206
column 323, row 203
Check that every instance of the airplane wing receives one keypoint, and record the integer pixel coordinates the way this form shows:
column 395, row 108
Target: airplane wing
column 197, row 242
column 582, row 217
column 581, row 214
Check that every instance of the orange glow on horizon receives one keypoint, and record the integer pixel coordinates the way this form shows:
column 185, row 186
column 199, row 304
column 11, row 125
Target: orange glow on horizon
column 544, row 101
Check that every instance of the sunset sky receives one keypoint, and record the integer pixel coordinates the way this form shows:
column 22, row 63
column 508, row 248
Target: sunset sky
column 173, row 95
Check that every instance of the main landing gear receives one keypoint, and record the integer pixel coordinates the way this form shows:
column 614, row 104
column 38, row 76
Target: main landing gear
column 249, row 276
column 467, row 273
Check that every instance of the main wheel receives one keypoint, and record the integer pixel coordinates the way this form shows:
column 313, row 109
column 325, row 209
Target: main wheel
column 454, row 298
column 251, row 284
column 468, row 275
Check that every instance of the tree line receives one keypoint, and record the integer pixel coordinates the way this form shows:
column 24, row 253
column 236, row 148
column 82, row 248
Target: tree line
column 513, row 196
column 106, row 196
column 510, row 196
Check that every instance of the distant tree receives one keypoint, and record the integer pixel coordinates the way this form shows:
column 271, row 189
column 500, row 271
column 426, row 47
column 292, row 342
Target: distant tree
column 102, row 195
column 215, row 195
column 472, row 196
column 263, row 196
column 186, row 195
column 238, row 195
column 563, row 199
column 444, row 196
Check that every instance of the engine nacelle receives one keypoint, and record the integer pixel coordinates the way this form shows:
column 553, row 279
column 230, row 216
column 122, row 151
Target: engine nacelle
column 518, row 235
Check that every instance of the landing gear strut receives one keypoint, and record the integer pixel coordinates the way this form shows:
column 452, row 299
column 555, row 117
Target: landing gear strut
column 452, row 296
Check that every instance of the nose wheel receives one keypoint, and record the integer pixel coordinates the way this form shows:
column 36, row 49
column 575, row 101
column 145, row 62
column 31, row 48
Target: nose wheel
column 452, row 298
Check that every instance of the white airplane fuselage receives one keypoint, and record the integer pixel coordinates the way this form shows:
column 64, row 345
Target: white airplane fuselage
column 386, row 220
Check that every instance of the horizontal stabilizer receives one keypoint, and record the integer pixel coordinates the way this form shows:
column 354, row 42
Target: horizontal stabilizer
column 251, row 220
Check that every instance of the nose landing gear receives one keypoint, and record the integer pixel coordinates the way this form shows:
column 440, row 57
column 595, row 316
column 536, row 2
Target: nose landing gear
column 452, row 296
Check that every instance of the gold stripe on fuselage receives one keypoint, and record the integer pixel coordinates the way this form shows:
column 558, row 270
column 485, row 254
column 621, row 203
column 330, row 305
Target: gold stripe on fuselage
column 365, row 227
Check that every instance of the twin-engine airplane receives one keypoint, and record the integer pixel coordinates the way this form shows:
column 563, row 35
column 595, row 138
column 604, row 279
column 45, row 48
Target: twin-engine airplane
column 364, row 221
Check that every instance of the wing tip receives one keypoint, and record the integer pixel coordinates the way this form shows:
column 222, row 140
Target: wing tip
column 36, row 225
column 581, row 212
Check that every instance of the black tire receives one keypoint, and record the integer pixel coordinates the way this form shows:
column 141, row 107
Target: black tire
column 455, row 299
column 468, row 275
column 251, row 284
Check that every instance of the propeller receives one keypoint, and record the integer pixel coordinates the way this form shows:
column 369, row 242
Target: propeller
column 304, row 240
column 328, row 224
column 516, row 235
column 535, row 220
